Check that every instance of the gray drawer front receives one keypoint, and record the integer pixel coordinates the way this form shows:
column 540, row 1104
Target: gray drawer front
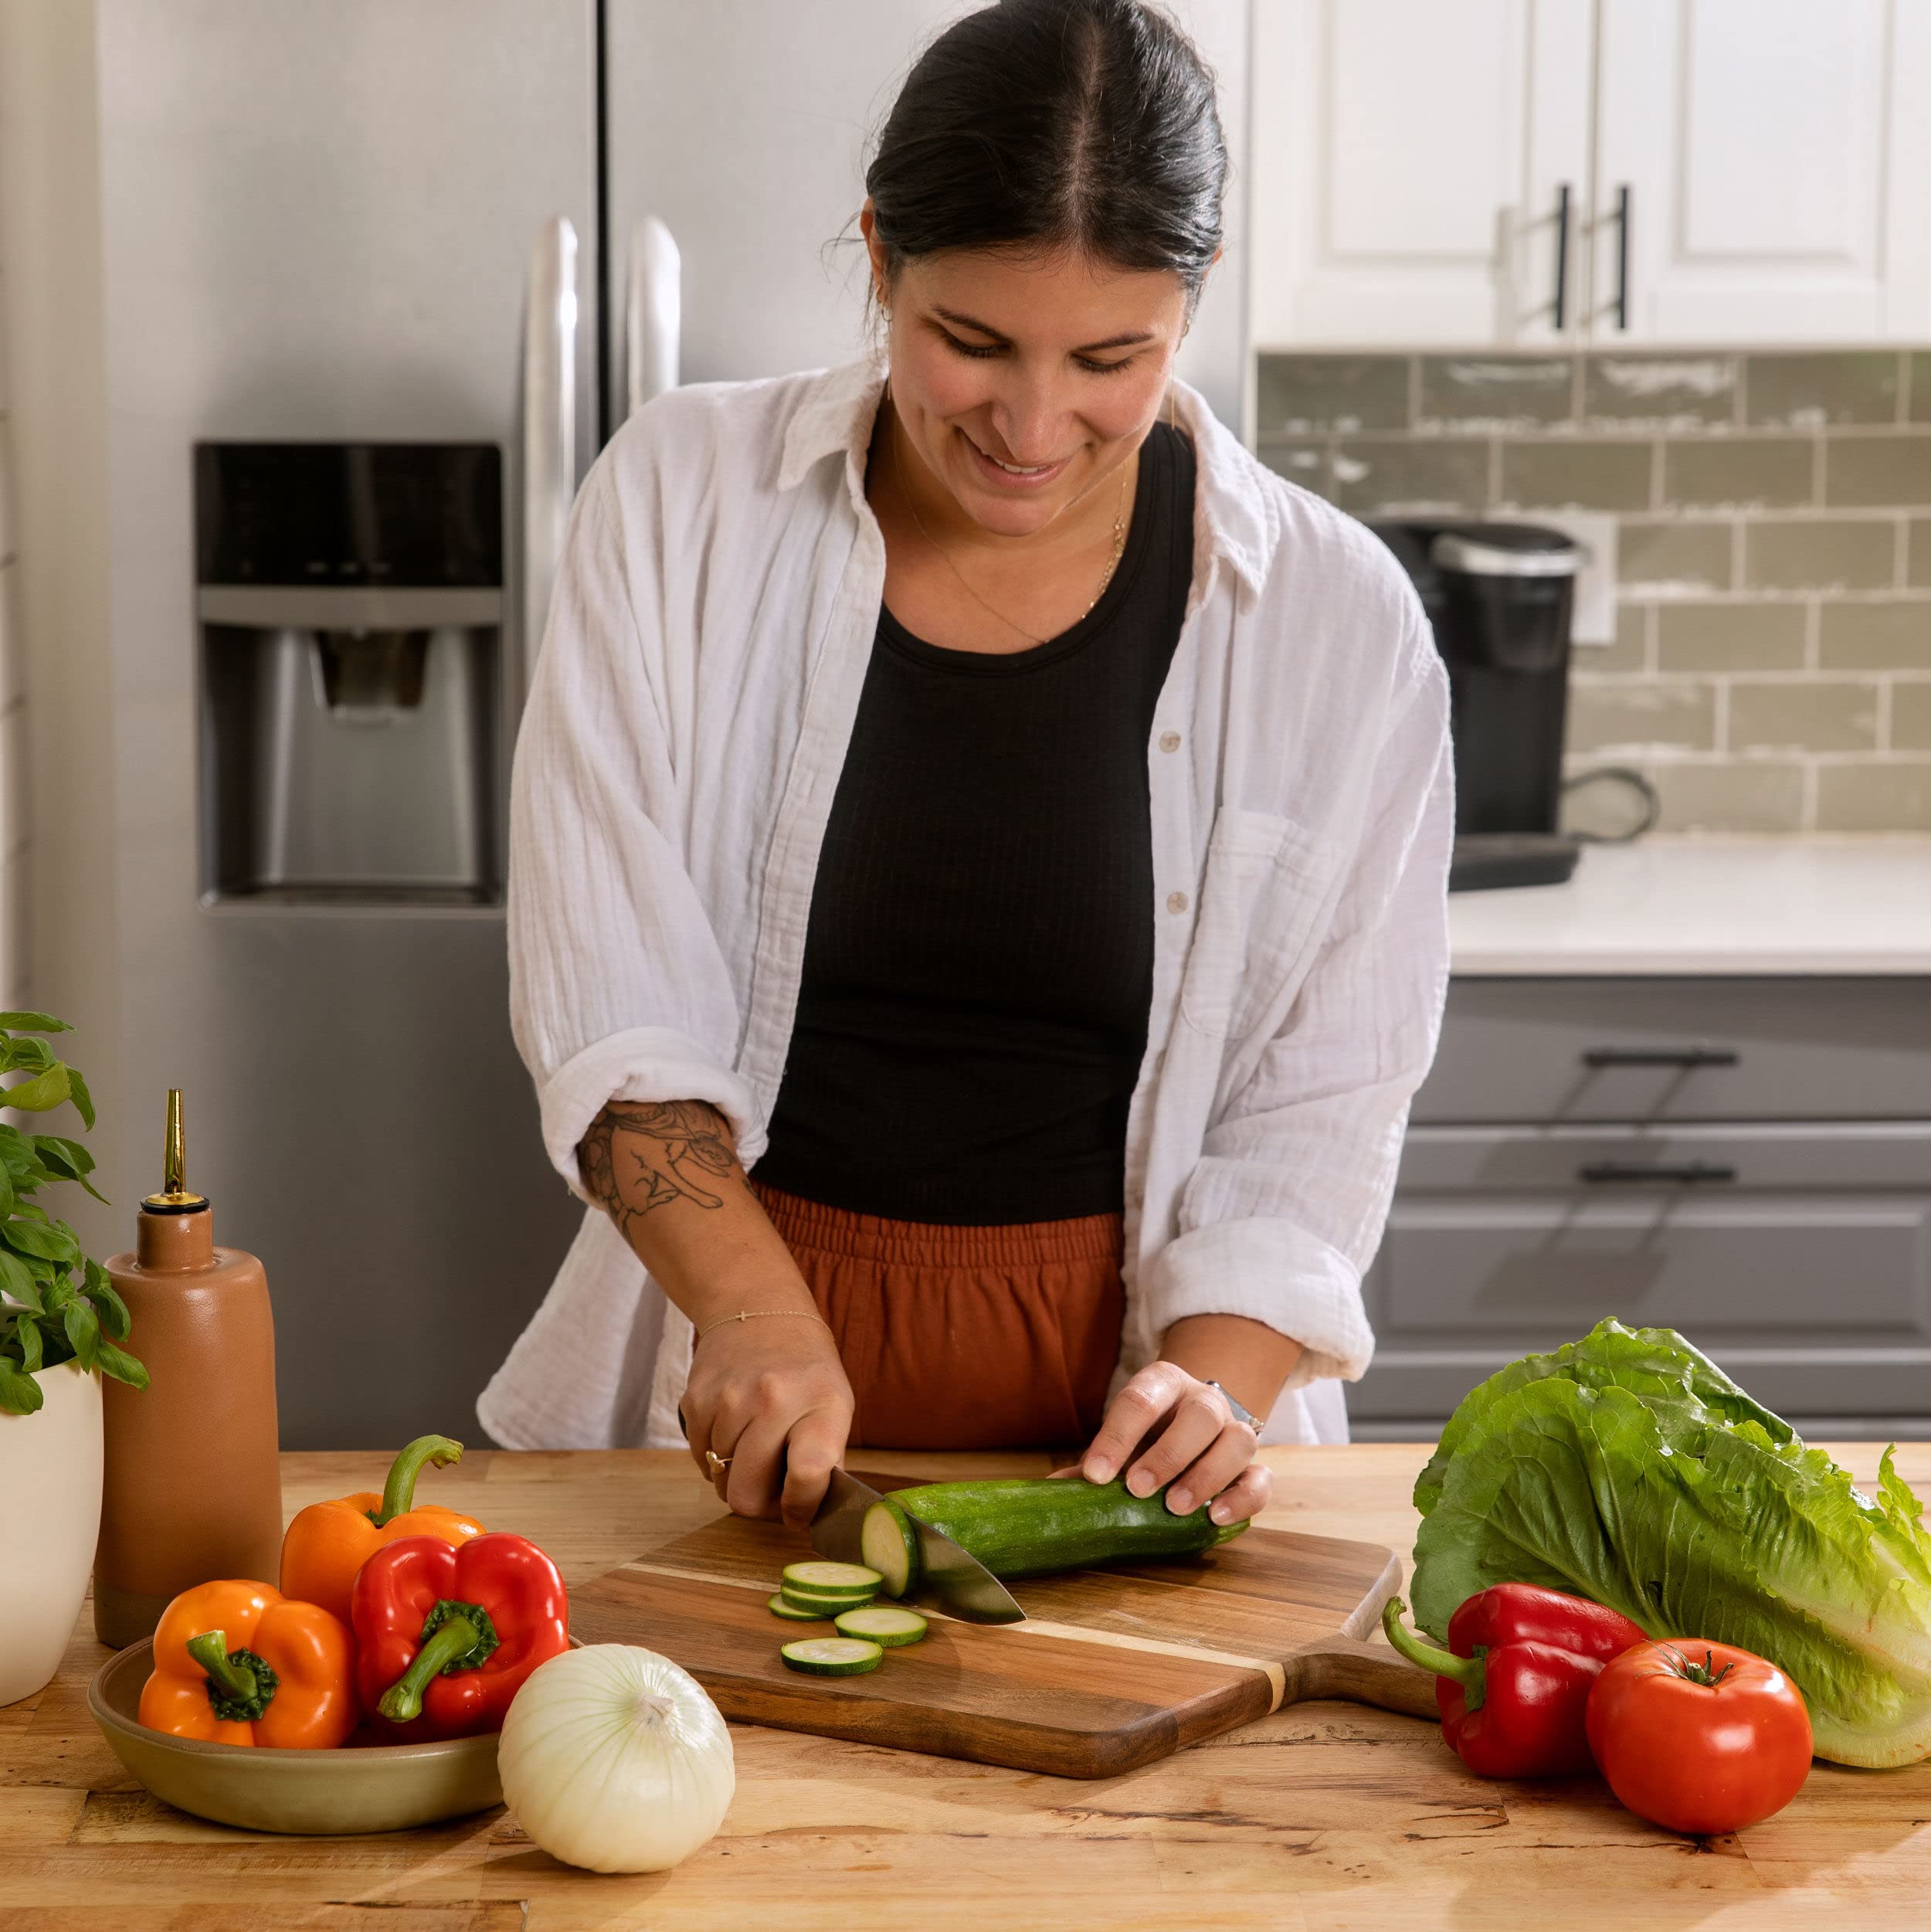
column 1515, row 1050
column 1774, row 1268
column 1613, row 1163
column 1406, row 1385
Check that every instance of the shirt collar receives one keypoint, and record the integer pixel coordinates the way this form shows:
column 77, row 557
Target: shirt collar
column 1234, row 512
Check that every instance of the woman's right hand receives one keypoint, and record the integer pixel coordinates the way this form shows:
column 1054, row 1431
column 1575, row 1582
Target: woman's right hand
column 771, row 1398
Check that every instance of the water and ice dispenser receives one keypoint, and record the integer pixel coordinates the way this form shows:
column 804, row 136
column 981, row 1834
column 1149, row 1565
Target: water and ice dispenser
column 353, row 617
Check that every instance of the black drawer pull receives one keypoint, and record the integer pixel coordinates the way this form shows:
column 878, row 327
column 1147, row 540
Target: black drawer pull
column 1691, row 1171
column 1659, row 1056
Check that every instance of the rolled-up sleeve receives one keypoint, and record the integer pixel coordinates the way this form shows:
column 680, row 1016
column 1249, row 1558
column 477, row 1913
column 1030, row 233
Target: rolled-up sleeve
column 1285, row 1208
column 618, row 988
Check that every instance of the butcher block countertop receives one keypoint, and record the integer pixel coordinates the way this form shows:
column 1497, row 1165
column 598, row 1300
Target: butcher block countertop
column 1323, row 1817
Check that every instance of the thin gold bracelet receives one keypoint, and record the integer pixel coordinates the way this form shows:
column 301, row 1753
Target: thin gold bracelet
column 758, row 1314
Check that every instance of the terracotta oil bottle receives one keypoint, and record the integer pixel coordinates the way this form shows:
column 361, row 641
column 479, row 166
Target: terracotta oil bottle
column 192, row 1488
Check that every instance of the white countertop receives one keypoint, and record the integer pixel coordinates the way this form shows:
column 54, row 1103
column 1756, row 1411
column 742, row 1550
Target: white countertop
column 1710, row 905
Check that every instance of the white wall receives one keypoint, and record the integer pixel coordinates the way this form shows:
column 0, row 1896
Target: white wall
column 60, row 927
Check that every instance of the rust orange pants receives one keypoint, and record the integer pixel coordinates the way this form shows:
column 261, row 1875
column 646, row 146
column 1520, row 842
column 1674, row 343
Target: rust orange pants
column 963, row 1338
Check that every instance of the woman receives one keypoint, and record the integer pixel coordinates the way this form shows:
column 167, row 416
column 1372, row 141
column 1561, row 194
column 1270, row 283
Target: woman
column 978, row 851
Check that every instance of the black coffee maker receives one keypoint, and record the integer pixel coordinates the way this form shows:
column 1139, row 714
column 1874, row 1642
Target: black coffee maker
column 1500, row 597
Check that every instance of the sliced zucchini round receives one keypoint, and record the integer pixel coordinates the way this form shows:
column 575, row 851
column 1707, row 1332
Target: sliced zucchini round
column 832, row 1656
column 791, row 1614
column 887, row 1539
column 833, row 1579
column 824, row 1606
column 886, row 1625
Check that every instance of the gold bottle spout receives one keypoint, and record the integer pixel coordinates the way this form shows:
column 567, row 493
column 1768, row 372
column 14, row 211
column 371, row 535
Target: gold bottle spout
column 175, row 1197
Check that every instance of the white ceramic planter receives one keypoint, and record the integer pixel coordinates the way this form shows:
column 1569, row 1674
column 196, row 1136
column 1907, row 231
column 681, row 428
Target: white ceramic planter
column 50, row 1476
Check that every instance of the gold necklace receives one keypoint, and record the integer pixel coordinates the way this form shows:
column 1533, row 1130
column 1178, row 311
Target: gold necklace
column 1112, row 562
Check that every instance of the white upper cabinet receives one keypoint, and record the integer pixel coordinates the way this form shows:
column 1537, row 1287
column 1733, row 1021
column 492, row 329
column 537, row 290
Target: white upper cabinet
column 1752, row 170
column 1773, row 158
column 1410, row 161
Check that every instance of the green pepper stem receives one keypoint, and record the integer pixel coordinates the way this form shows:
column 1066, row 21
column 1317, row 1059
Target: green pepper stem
column 1469, row 1673
column 398, row 1493
column 235, row 1681
column 403, row 1699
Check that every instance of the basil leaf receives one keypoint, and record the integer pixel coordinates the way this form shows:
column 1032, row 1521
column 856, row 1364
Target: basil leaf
column 43, row 1091
column 67, row 1159
column 33, row 1023
column 27, row 1337
column 19, row 1393
column 16, row 1279
column 83, row 1331
column 121, row 1365
column 108, row 1304
column 52, row 1243
column 36, row 1055
column 82, row 1100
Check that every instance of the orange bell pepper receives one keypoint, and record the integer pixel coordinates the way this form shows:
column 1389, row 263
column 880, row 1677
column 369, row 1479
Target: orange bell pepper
column 239, row 1663
column 328, row 1542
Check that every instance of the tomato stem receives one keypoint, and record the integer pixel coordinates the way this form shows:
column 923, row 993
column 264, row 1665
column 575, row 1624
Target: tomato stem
column 1708, row 1673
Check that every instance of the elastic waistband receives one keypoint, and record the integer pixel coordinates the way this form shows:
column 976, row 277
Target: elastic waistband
column 812, row 1226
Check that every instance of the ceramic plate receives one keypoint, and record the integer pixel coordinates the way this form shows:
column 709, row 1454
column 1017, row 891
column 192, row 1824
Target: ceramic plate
column 378, row 1788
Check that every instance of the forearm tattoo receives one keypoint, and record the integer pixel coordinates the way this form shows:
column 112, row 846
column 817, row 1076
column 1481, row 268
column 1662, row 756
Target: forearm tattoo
column 642, row 1154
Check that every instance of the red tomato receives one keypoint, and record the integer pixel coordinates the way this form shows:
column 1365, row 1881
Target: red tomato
column 1699, row 1737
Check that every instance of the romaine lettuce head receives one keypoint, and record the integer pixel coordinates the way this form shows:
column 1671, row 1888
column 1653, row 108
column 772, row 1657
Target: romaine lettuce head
column 1655, row 1363
column 1695, row 1520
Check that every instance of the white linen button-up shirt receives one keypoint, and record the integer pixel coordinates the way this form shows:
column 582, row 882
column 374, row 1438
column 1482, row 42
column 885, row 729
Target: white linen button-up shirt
column 689, row 717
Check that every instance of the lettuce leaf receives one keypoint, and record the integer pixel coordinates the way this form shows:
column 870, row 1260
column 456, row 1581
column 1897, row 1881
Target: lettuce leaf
column 1627, row 1468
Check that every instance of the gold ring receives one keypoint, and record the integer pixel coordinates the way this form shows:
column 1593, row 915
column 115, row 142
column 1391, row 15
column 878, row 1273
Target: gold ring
column 715, row 1464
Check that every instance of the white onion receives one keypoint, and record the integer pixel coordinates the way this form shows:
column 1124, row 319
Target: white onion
column 615, row 1759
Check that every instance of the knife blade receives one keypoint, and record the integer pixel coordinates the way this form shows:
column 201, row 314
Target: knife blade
column 951, row 1579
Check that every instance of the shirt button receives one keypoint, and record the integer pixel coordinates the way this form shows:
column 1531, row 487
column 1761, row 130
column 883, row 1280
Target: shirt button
column 1169, row 741
column 1177, row 902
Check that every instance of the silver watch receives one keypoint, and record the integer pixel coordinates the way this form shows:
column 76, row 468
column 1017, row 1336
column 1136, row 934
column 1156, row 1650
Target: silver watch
column 1241, row 1413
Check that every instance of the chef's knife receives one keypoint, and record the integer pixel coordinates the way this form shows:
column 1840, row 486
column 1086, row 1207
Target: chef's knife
column 951, row 1579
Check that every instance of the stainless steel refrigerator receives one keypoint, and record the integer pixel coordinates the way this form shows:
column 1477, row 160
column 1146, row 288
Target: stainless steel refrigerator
column 377, row 276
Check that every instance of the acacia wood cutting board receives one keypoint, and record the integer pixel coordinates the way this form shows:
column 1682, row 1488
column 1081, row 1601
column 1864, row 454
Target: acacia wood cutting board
column 1113, row 1668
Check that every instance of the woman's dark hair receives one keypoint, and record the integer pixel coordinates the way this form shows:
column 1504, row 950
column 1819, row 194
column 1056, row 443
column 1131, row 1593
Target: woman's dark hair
column 1087, row 125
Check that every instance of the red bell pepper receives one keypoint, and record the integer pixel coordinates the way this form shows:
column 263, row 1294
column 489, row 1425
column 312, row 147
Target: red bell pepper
column 1514, row 1683
column 445, row 1635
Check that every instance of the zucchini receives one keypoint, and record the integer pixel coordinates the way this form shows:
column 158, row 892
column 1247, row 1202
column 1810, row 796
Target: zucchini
column 1031, row 1526
column 821, row 1606
column 832, row 1656
column 883, row 1625
column 791, row 1614
column 889, row 1547
column 849, row 1580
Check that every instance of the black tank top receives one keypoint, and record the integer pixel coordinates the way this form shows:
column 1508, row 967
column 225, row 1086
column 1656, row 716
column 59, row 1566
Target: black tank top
column 978, row 960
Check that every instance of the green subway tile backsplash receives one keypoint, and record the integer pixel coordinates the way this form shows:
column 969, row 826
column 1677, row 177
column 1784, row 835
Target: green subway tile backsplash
column 1734, row 636
column 1500, row 391
column 1675, row 391
column 1771, row 668
column 1819, row 391
column 1299, row 393
column 1730, row 473
column 1862, row 471
column 1819, row 553
column 1378, row 476
column 1577, row 473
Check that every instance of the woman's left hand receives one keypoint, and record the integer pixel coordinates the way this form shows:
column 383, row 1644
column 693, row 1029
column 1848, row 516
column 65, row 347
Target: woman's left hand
column 1200, row 1453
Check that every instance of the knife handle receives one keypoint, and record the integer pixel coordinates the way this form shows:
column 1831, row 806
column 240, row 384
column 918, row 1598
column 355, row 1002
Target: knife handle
column 1359, row 1673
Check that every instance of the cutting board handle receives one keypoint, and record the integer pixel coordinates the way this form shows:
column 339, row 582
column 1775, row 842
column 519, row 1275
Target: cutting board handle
column 1361, row 1673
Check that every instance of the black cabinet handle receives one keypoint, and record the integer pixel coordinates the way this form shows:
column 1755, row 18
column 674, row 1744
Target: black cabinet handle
column 1561, row 304
column 1622, row 256
column 1659, row 1056
column 1692, row 1172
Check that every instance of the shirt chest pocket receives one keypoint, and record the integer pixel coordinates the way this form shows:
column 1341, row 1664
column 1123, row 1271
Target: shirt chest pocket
column 1265, row 897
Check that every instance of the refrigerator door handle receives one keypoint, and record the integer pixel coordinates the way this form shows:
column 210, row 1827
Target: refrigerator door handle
column 652, row 313
column 549, row 433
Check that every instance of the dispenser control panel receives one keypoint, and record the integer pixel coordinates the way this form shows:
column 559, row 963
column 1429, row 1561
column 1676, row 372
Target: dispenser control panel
column 361, row 514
